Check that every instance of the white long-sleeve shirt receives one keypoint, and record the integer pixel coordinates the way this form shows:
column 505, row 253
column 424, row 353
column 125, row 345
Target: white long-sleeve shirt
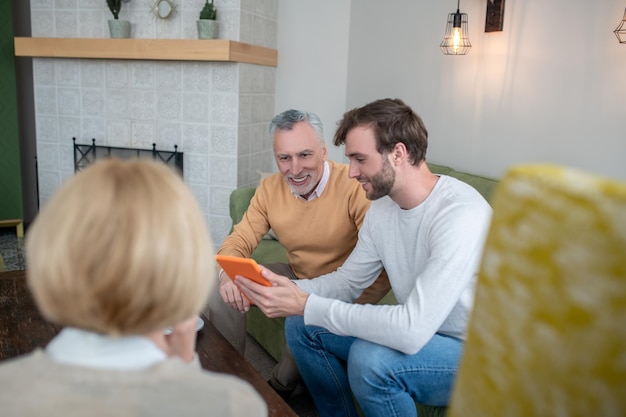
column 431, row 254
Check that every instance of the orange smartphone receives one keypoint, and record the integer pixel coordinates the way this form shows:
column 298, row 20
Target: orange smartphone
column 245, row 267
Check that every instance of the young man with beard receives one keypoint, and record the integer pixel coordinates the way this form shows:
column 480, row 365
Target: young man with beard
column 427, row 231
column 315, row 211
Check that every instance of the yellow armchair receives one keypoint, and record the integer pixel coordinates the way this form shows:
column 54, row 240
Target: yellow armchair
column 547, row 336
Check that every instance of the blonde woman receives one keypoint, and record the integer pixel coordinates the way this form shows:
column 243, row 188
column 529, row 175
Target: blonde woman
column 115, row 257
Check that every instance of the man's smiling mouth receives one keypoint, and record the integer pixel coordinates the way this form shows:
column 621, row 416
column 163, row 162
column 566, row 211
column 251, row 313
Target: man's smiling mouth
column 299, row 180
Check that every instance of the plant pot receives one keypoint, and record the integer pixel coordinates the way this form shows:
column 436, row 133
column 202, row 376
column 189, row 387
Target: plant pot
column 119, row 28
column 207, row 29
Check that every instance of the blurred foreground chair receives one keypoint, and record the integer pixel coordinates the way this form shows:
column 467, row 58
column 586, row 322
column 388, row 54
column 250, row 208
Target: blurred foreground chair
column 547, row 336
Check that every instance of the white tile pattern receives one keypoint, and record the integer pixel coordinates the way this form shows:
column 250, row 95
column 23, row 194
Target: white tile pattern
column 217, row 113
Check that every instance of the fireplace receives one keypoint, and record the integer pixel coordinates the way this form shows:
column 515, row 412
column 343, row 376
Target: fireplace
column 215, row 113
column 87, row 154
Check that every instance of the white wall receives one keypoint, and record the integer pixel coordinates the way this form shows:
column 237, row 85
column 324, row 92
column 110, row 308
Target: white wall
column 312, row 67
column 549, row 88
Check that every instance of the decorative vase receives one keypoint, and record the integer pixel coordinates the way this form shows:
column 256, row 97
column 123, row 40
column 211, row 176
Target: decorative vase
column 119, row 28
column 207, row 29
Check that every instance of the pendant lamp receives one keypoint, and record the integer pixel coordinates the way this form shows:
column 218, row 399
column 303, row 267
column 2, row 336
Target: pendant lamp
column 455, row 41
column 620, row 32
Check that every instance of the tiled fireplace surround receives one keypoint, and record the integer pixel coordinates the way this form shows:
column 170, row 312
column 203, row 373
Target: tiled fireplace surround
column 217, row 113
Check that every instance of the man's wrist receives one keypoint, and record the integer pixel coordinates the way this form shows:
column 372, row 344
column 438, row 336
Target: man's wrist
column 303, row 300
column 220, row 275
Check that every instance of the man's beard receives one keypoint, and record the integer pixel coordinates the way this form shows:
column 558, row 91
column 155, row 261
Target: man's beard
column 382, row 182
column 304, row 189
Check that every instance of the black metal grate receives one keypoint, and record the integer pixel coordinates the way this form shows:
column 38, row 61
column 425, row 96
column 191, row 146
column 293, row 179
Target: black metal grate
column 87, row 154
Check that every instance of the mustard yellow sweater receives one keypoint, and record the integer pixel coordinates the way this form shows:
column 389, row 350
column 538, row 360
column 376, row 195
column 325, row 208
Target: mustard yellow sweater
column 318, row 234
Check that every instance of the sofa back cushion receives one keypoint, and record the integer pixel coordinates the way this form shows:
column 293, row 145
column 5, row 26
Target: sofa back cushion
column 484, row 185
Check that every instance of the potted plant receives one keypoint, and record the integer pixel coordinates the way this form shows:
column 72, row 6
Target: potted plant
column 117, row 28
column 207, row 22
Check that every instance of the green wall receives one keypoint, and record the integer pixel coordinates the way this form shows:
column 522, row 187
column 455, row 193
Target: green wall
column 10, row 173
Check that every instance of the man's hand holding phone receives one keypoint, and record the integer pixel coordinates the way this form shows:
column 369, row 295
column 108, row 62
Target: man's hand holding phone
column 275, row 295
column 233, row 266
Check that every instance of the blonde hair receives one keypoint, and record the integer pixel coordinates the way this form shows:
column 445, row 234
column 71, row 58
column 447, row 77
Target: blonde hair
column 122, row 248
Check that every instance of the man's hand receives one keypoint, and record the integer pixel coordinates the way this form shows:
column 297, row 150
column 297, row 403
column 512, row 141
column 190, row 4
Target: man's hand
column 232, row 295
column 282, row 299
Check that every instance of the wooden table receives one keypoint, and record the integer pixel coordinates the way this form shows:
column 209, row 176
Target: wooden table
column 22, row 329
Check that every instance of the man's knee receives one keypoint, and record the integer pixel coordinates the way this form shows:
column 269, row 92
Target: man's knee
column 294, row 325
column 360, row 363
column 367, row 366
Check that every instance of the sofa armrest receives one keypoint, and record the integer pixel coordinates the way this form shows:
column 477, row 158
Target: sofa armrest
column 239, row 202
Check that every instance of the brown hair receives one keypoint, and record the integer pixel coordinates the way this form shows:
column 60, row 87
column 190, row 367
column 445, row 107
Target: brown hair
column 122, row 248
column 392, row 122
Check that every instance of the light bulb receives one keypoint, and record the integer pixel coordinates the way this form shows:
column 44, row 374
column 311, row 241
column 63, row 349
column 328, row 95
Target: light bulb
column 456, row 39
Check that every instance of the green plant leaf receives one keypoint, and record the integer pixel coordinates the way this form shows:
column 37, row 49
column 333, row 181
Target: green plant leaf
column 115, row 6
column 208, row 11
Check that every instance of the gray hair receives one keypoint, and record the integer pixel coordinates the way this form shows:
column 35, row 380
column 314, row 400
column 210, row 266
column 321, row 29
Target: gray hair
column 287, row 119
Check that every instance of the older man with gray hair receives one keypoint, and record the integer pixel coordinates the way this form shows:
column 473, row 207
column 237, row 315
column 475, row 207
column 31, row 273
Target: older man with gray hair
column 315, row 211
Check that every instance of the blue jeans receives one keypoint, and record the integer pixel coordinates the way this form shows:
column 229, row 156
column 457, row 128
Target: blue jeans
column 384, row 381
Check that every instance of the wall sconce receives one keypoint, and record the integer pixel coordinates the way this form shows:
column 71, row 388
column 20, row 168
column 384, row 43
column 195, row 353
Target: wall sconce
column 620, row 31
column 494, row 21
column 455, row 41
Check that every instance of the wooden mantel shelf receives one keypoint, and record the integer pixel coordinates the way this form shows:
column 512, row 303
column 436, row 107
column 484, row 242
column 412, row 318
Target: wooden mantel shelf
column 146, row 49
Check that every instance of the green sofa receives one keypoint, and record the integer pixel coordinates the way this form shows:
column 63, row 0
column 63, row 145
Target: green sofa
column 270, row 332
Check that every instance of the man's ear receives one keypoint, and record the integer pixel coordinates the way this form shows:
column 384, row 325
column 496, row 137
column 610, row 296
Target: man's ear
column 398, row 154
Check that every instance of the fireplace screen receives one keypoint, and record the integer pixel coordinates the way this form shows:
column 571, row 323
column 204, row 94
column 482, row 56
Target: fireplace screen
column 86, row 154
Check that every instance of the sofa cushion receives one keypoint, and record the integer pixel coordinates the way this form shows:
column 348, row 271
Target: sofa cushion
column 270, row 251
column 439, row 169
column 484, row 185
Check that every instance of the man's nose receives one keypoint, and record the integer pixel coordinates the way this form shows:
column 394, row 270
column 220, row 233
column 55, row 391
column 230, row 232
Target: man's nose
column 353, row 171
column 296, row 166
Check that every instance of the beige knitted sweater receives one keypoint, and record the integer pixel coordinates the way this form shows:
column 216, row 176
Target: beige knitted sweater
column 35, row 385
